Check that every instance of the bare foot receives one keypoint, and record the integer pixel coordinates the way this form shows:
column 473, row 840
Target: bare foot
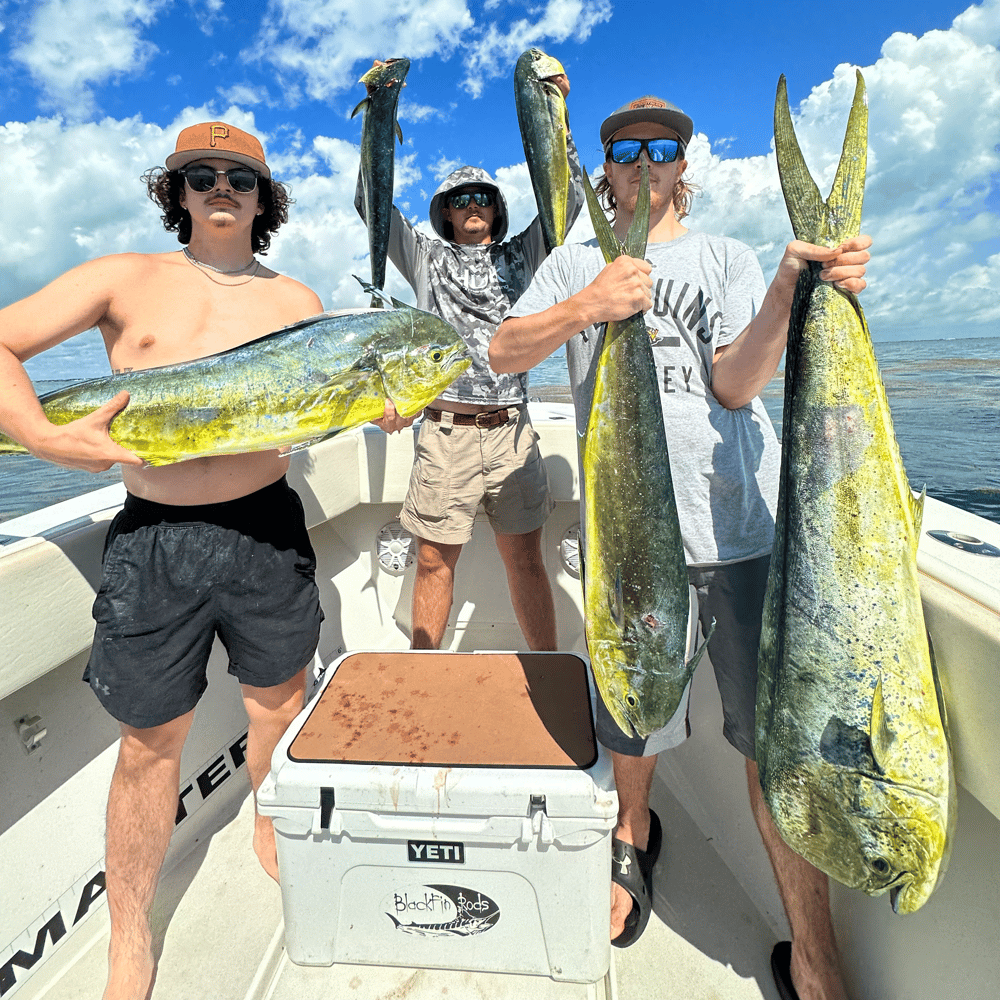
column 621, row 907
column 621, row 901
column 264, row 846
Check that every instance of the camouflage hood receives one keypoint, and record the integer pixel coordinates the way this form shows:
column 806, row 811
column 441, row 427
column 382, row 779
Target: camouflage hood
column 460, row 178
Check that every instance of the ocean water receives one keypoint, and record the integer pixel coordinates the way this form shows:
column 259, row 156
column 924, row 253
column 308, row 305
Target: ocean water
column 944, row 396
column 945, row 402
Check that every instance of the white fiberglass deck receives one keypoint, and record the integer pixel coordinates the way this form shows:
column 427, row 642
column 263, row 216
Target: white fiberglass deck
column 218, row 921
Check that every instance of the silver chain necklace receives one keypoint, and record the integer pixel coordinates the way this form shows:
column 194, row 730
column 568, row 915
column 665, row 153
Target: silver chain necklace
column 218, row 270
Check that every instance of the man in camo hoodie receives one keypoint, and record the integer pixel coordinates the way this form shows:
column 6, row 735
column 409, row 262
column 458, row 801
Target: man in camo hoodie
column 476, row 443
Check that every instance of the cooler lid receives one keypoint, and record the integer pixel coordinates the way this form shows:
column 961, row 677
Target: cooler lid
column 434, row 709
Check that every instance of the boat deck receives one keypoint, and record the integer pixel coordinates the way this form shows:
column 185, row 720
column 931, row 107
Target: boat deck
column 218, row 923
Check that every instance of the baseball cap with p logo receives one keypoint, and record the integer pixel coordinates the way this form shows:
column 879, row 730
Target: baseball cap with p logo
column 217, row 139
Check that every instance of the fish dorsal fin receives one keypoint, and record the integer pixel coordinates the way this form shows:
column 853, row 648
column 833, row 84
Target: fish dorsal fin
column 399, row 133
column 952, row 820
column 606, row 238
column 917, row 512
column 938, row 689
column 882, row 737
column 839, row 218
column 363, row 103
column 638, row 232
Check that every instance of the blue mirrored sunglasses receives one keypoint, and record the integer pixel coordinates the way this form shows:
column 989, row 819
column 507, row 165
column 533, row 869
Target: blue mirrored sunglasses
column 482, row 198
column 628, row 150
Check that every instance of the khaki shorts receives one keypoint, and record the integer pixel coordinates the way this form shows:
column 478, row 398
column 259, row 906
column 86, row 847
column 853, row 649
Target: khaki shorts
column 457, row 468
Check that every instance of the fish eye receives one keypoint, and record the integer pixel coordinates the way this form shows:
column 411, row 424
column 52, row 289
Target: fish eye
column 631, row 700
column 880, row 865
column 437, row 355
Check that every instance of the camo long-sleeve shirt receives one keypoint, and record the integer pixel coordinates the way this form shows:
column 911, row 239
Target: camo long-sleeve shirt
column 473, row 286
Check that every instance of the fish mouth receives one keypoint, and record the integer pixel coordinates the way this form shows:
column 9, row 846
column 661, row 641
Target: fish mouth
column 896, row 887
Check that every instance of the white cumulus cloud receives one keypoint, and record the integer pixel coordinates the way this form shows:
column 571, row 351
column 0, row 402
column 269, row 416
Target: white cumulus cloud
column 502, row 40
column 72, row 44
column 314, row 45
column 933, row 174
column 72, row 191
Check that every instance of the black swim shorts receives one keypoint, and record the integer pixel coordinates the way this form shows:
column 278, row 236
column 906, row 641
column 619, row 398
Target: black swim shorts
column 175, row 576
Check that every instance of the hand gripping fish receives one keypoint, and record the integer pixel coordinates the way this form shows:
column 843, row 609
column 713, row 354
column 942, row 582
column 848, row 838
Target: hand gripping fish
column 636, row 594
column 544, row 123
column 851, row 740
column 299, row 384
column 379, row 130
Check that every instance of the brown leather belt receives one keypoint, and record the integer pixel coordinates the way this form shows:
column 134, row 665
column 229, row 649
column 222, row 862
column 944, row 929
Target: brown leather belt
column 488, row 418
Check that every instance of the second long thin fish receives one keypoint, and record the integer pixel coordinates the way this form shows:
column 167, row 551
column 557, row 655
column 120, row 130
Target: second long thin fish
column 636, row 596
column 379, row 131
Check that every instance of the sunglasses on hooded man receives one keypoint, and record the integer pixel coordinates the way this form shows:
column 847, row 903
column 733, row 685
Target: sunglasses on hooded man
column 484, row 199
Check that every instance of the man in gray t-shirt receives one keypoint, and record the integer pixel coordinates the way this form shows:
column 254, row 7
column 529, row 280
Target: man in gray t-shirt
column 476, row 444
column 718, row 337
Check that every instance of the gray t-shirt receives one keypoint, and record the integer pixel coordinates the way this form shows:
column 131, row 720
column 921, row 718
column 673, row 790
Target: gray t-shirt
column 724, row 463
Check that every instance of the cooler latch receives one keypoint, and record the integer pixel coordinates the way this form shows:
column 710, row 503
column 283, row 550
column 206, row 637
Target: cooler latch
column 536, row 823
column 327, row 818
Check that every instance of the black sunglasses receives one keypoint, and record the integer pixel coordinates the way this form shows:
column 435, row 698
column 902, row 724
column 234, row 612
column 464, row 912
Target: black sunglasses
column 482, row 198
column 202, row 178
column 628, row 150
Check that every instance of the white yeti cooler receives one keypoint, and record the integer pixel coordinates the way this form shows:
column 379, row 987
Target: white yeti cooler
column 447, row 810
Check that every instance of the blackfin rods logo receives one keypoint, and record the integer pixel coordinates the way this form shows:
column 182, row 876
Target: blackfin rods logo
column 440, row 911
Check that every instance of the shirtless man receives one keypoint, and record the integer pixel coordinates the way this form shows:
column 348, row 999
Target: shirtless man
column 229, row 529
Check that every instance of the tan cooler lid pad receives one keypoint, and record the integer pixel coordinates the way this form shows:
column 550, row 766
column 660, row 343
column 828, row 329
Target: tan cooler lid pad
column 453, row 710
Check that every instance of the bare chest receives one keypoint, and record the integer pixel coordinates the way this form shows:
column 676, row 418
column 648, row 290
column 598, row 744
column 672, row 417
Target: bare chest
column 182, row 313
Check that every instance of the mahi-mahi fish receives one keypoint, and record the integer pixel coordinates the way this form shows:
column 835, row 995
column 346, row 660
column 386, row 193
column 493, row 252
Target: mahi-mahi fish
column 851, row 738
column 544, row 123
column 379, row 131
column 300, row 384
column 636, row 594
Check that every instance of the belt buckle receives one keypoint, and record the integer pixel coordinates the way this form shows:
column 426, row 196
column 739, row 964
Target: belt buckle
column 482, row 418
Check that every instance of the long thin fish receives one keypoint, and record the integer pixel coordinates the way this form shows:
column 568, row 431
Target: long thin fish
column 379, row 130
column 851, row 741
column 544, row 123
column 636, row 597
column 299, row 384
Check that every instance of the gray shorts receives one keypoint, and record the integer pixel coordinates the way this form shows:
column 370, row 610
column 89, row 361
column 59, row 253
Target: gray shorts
column 458, row 467
column 733, row 595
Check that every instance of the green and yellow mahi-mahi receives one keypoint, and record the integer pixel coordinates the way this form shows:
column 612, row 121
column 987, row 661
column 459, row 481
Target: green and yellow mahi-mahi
column 544, row 123
column 851, row 742
column 636, row 594
column 302, row 383
column 379, row 131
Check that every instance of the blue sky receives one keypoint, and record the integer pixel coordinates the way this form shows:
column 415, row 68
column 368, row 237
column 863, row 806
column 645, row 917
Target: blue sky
column 96, row 91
